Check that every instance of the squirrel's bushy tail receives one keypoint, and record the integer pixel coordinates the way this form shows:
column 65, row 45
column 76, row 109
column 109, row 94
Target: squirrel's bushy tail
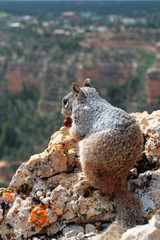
column 128, row 214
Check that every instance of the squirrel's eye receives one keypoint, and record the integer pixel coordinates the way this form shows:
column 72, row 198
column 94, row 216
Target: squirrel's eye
column 65, row 101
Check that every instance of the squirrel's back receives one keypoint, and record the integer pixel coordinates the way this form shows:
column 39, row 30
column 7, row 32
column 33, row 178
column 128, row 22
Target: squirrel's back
column 100, row 114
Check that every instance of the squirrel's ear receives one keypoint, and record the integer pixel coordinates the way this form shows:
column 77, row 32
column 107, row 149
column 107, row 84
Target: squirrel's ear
column 77, row 90
column 87, row 83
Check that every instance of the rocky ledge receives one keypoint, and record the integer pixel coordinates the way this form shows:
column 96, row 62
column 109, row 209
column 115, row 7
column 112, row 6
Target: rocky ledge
column 49, row 197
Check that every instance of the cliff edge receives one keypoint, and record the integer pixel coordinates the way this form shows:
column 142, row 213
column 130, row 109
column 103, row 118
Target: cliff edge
column 49, row 197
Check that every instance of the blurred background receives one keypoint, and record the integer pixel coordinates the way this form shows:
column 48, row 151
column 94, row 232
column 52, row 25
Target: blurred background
column 46, row 45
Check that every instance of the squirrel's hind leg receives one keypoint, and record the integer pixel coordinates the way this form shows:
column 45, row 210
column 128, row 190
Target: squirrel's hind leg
column 98, row 177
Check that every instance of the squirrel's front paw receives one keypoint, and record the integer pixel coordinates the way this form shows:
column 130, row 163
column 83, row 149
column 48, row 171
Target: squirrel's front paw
column 75, row 135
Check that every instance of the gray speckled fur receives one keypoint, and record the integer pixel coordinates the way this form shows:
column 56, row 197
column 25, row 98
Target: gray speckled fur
column 98, row 113
column 111, row 142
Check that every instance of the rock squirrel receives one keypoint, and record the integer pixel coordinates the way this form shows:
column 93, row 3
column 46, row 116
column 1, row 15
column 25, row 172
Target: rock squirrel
column 110, row 144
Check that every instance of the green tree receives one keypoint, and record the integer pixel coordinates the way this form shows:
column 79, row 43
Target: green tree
column 8, row 138
column 116, row 95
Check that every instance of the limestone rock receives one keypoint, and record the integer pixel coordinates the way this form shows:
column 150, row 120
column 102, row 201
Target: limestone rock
column 1, row 215
column 150, row 126
column 150, row 196
column 150, row 231
column 72, row 231
column 54, row 159
column 23, row 176
column 90, row 228
column 49, row 194
column 17, row 218
column 54, row 228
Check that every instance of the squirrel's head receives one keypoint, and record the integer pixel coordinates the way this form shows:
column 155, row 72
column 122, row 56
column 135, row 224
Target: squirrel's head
column 76, row 94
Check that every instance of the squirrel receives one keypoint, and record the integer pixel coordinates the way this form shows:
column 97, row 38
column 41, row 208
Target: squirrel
column 110, row 143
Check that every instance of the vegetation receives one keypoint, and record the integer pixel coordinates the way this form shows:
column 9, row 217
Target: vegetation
column 23, row 131
column 52, row 9
column 138, row 84
column 3, row 185
column 132, row 95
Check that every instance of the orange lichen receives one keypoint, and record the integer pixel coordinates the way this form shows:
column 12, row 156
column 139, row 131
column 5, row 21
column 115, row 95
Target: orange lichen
column 39, row 215
column 152, row 212
column 46, row 205
column 54, row 200
column 16, row 211
column 8, row 195
column 56, row 210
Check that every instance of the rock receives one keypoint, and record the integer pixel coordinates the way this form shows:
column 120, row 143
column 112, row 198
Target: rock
column 54, row 159
column 39, row 193
column 135, row 183
column 90, row 236
column 95, row 205
column 18, row 219
column 90, row 228
column 134, row 172
column 150, row 231
column 41, row 198
column 1, row 215
column 150, row 196
column 150, row 126
column 46, row 200
column 59, row 197
column 38, row 185
column 49, row 192
column 62, row 238
column 42, row 237
column 55, row 228
column 22, row 176
column 46, row 164
column 72, row 231
column 72, row 238
column 81, row 236
column 70, row 211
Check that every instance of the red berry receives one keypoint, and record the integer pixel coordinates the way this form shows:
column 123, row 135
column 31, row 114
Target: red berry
column 67, row 122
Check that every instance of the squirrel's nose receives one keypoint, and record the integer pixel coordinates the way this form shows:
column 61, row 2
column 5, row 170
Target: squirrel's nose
column 65, row 101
